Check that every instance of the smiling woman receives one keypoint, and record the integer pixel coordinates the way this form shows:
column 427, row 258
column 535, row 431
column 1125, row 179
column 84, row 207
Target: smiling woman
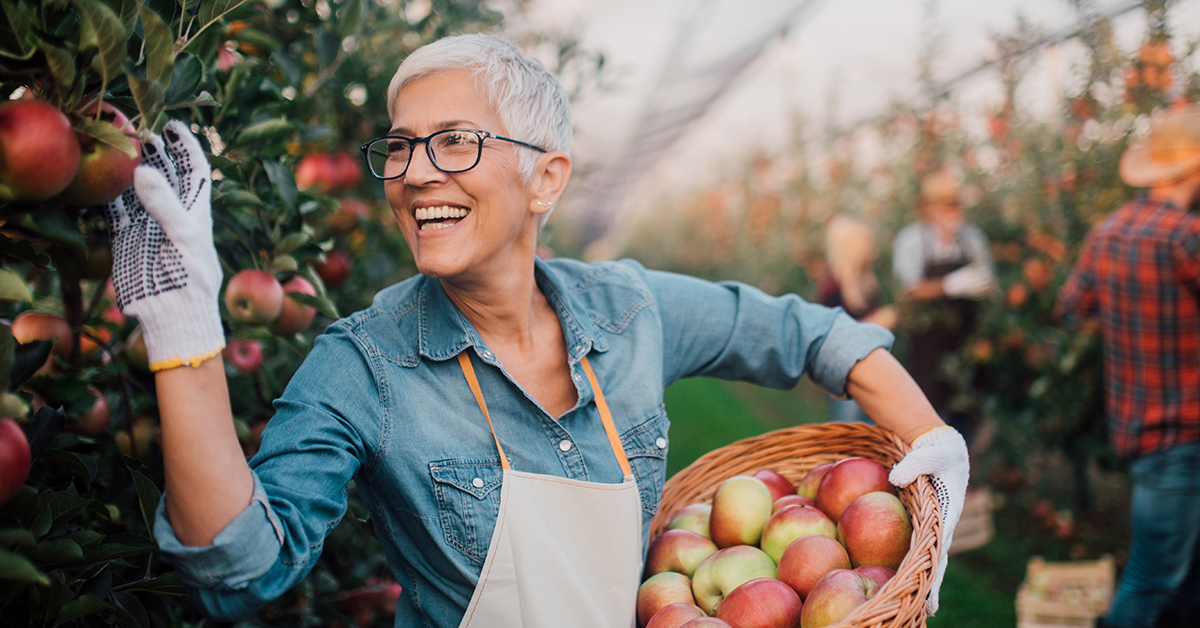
column 502, row 416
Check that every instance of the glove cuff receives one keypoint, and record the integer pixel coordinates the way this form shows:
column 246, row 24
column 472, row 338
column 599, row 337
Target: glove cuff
column 940, row 435
column 180, row 330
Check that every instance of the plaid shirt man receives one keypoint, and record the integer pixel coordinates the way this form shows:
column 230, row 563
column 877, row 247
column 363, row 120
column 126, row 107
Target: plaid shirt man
column 1140, row 269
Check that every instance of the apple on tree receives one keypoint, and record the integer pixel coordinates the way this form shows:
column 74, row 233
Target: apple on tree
column 740, row 508
column 692, row 517
column 660, row 590
column 29, row 326
column 254, row 297
column 38, row 151
column 876, row 530
column 14, row 459
column 675, row 615
column 94, row 422
column 834, row 597
column 847, row 480
column 724, row 571
column 105, row 171
column 790, row 524
column 761, row 603
column 807, row 559
column 677, row 550
column 295, row 317
column 336, row 268
column 245, row 356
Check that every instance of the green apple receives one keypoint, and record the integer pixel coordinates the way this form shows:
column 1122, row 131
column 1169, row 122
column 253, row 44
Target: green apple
column 725, row 570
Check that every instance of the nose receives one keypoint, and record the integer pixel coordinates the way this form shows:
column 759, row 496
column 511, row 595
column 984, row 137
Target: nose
column 421, row 170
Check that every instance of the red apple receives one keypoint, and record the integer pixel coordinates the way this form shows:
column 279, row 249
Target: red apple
column 724, row 571
column 675, row 615
column 14, row 459
column 336, row 268
column 878, row 573
column 740, row 508
column 104, row 171
column 707, row 622
column 348, row 171
column 349, row 212
column 848, row 480
column 811, row 480
column 792, row 523
column 95, row 421
column 660, row 590
column 295, row 316
column 692, row 517
column 807, row 559
column 876, row 530
column 254, row 297
column 245, row 356
column 316, row 172
column 761, row 603
column 38, row 151
column 791, row 500
column 834, row 597
column 29, row 326
column 779, row 485
column 677, row 550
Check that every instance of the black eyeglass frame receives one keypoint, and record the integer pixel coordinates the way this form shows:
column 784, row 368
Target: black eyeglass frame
column 412, row 149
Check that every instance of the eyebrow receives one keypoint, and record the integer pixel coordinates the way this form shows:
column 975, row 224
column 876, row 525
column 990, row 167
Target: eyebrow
column 441, row 126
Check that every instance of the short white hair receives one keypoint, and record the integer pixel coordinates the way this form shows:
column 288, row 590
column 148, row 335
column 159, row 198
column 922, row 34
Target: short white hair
column 529, row 99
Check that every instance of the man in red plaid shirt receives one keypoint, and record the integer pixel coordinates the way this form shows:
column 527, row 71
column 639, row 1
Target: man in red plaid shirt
column 1140, row 271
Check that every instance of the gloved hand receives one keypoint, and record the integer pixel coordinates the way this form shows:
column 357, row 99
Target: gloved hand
column 942, row 454
column 165, row 267
column 969, row 282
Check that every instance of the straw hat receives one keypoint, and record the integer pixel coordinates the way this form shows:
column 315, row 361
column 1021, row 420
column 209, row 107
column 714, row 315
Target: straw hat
column 941, row 187
column 1171, row 153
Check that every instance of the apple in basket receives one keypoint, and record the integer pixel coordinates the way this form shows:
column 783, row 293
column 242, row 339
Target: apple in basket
column 834, row 597
column 791, row 500
column 707, row 622
column 847, row 480
column 761, row 603
column 807, row 559
column 675, row 615
column 677, row 550
column 692, row 517
column 811, row 480
column 876, row 530
column 878, row 573
column 779, row 485
column 661, row 590
column 724, row 571
column 740, row 508
column 792, row 523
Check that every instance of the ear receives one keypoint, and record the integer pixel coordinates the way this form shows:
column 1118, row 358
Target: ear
column 549, row 179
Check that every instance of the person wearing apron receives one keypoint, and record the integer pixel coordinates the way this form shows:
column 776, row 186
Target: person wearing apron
column 501, row 416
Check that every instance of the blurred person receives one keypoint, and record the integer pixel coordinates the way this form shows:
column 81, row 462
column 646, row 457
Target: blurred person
column 1139, row 271
column 944, row 270
column 501, row 415
column 850, row 283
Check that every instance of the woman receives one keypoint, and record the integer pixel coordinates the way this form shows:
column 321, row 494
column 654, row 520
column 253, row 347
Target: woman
column 501, row 415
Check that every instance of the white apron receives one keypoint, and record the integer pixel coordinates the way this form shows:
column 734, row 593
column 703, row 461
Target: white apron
column 564, row 552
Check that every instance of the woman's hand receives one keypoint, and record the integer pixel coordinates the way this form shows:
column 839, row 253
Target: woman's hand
column 165, row 268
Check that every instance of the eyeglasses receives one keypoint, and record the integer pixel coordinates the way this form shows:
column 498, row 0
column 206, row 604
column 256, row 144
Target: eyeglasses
column 451, row 151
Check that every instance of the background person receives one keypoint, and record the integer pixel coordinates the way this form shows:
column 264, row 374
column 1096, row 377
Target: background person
column 1139, row 270
column 501, row 416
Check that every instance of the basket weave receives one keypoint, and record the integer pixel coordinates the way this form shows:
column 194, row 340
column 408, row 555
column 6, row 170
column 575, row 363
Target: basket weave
column 792, row 452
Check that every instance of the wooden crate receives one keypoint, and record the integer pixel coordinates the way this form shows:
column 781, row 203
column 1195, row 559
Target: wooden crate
column 1065, row 594
column 974, row 528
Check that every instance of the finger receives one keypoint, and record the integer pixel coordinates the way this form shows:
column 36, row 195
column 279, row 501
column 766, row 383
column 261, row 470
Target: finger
column 905, row 472
column 158, row 198
column 154, row 155
column 115, row 213
column 194, row 170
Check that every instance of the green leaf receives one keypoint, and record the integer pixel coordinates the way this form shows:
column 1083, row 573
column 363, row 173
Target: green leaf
column 126, row 11
column 84, row 467
column 47, row 424
column 23, row 250
column 86, row 537
column 210, row 12
column 105, row 132
column 159, row 47
column 111, row 37
column 114, row 551
column 239, row 198
column 80, row 607
column 64, row 505
column 54, row 225
column 283, row 180
column 56, row 553
column 290, row 243
column 61, row 63
column 185, row 78
column 13, row 288
column 16, row 568
column 166, row 584
column 16, row 536
column 132, row 607
column 291, row 68
column 27, row 359
column 323, row 305
column 21, row 16
column 148, row 496
column 328, row 44
column 40, row 525
column 265, row 131
column 349, row 17
column 203, row 99
column 148, row 95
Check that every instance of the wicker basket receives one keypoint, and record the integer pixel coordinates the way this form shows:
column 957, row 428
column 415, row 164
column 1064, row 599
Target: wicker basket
column 792, row 452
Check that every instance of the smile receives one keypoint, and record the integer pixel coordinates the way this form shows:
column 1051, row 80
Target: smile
column 440, row 217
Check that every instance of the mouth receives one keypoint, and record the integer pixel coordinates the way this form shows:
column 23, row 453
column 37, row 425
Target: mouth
column 439, row 217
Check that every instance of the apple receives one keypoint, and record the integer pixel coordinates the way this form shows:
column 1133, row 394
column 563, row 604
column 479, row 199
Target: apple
column 779, row 485
column 347, row 171
column 707, row 622
column 878, row 573
column 675, row 615
column 725, row 570
column 349, row 212
column 807, row 559
column 692, row 517
column 38, row 151
column 792, row 523
column 104, row 171
column 254, row 296
column 876, row 530
column 135, row 351
column 741, row 506
column 14, row 459
column 808, row 484
column 761, row 603
column 143, row 428
column 245, row 356
column 660, row 590
column 677, row 550
column 834, row 597
column 295, row 316
column 316, row 172
column 29, row 326
column 791, row 500
column 336, row 268
column 93, row 423
column 847, row 480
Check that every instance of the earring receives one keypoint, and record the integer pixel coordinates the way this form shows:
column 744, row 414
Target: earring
column 544, row 204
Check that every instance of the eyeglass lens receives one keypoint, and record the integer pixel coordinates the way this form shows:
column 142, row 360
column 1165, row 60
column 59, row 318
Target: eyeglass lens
column 451, row 151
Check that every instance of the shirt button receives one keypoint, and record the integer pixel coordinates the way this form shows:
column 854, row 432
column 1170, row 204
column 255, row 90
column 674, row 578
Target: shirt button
column 477, row 483
column 487, row 354
column 565, row 445
column 661, row 443
column 577, row 377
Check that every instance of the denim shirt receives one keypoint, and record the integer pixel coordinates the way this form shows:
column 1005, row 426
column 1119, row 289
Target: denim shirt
column 381, row 401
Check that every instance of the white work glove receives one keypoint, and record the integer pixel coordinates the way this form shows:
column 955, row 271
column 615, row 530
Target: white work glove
column 942, row 454
column 969, row 282
column 165, row 267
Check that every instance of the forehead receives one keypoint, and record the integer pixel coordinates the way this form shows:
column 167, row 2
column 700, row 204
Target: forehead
column 440, row 101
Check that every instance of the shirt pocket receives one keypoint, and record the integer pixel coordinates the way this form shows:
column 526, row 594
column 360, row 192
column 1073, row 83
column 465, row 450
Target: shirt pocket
column 646, row 448
column 468, row 499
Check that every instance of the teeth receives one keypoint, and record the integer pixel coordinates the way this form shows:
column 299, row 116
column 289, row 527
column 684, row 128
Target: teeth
column 440, row 212
column 431, row 226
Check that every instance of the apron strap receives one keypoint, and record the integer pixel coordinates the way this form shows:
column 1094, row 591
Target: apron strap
column 606, row 417
column 469, row 371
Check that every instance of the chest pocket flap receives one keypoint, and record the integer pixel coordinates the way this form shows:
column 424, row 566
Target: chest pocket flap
column 468, row 503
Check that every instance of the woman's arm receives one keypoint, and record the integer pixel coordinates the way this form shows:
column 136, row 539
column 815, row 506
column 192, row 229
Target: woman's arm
column 888, row 394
